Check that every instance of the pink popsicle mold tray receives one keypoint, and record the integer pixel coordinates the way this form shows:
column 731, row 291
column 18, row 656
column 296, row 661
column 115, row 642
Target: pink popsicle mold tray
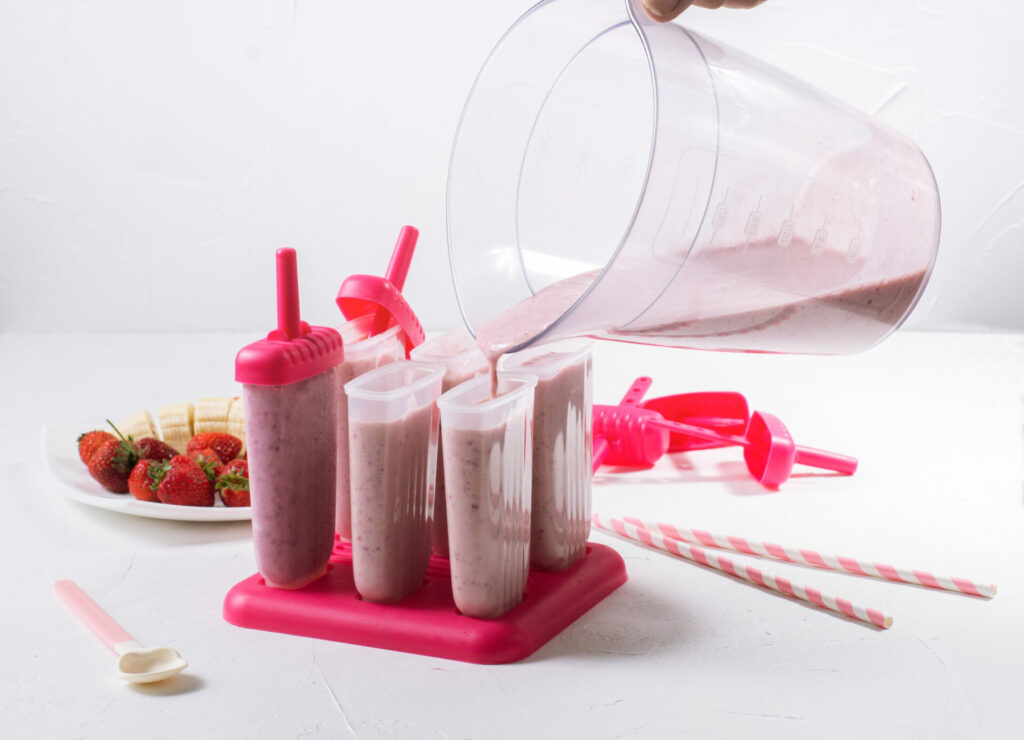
column 427, row 622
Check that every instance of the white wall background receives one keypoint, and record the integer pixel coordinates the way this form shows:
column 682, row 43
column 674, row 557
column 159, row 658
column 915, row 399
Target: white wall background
column 154, row 154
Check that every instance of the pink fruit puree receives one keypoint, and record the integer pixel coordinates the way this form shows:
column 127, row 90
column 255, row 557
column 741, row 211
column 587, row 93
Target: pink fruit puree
column 291, row 432
column 458, row 354
column 392, row 505
column 753, row 297
column 439, row 533
column 562, row 449
column 487, row 464
column 527, row 319
column 362, row 354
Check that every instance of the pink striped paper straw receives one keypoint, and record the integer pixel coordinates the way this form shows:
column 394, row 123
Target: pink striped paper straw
column 746, row 572
column 841, row 563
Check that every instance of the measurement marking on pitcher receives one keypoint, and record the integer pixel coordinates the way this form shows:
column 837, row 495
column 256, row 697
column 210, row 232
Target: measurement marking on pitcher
column 785, row 232
column 853, row 251
column 718, row 218
column 820, row 239
column 753, row 223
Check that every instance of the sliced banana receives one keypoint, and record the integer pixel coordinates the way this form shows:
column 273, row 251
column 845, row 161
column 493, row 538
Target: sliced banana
column 176, row 422
column 236, row 422
column 138, row 425
column 211, row 415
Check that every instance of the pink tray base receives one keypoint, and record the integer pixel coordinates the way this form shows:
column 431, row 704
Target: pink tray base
column 427, row 622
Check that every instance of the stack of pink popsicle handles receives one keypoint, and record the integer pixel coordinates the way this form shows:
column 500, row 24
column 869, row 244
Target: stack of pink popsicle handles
column 629, row 434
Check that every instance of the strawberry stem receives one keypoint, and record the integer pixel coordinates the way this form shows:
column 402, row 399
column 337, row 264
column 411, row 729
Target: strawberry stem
column 232, row 481
column 156, row 474
column 129, row 439
column 129, row 455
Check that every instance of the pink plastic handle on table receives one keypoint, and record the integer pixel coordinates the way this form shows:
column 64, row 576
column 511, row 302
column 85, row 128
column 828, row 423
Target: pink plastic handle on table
column 769, row 449
column 382, row 296
column 770, row 452
column 721, row 411
column 623, row 450
column 91, row 614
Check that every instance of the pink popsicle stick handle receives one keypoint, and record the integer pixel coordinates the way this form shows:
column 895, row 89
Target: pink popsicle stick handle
column 287, row 293
column 401, row 256
column 398, row 270
column 636, row 392
column 699, row 432
column 633, row 397
column 828, row 460
column 92, row 616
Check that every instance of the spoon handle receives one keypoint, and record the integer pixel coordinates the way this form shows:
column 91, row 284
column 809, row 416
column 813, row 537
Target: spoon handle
column 87, row 610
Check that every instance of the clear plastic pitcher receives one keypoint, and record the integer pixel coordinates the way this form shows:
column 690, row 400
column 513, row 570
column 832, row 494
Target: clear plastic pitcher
column 674, row 191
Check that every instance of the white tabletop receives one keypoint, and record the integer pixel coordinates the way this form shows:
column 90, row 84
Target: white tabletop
column 937, row 421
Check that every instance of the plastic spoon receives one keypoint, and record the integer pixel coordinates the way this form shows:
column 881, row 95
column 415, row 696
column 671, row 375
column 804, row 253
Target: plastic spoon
column 137, row 664
column 769, row 449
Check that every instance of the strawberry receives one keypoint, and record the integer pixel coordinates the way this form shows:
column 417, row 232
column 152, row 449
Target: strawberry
column 112, row 462
column 89, row 442
column 143, row 480
column 209, row 461
column 181, row 481
column 227, row 446
column 150, row 448
column 111, row 465
column 233, row 483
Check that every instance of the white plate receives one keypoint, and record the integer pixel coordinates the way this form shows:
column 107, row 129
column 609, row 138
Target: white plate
column 60, row 450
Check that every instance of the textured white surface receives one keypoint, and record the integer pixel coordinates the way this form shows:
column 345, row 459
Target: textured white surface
column 937, row 421
column 150, row 152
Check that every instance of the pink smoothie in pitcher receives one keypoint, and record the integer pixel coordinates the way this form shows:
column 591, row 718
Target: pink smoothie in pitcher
column 750, row 297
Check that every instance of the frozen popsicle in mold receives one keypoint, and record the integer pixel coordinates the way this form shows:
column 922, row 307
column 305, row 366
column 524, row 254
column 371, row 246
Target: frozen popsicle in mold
column 290, row 389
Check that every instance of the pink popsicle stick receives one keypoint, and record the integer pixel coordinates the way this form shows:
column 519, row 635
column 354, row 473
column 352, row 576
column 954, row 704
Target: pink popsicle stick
column 801, row 556
column 288, row 293
column 748, row 573
column 804, row 455
column 398, row 269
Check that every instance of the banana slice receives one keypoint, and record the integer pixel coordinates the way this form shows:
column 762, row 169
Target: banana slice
column 138, row 425
column 236, row 422
column 176, row 420
column 211, row 415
